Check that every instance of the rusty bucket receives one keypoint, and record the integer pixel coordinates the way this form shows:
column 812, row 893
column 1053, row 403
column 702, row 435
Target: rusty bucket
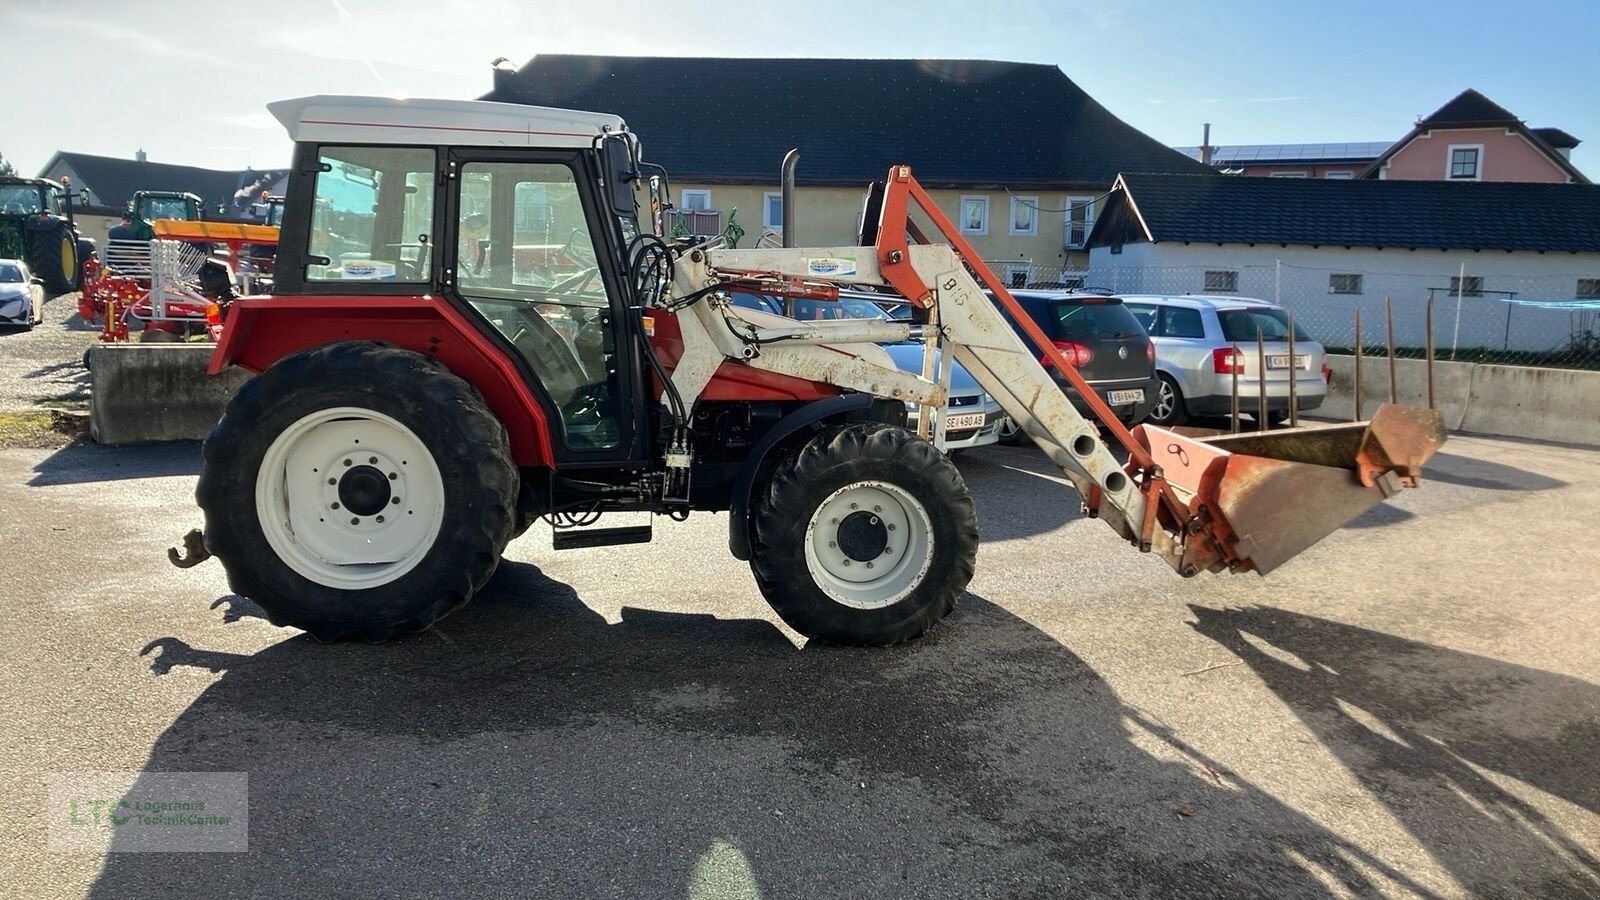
column 1260, row 498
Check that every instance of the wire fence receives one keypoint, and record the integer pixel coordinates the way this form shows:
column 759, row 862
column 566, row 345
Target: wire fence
column 1512, row 319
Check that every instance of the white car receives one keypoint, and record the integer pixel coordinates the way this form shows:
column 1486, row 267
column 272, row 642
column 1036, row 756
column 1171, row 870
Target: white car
column 21, row 295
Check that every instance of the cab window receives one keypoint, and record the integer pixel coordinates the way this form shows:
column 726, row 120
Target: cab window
column 372, row 218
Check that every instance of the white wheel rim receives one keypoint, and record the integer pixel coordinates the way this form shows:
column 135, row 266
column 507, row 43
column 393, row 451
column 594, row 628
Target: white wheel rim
column 884, row 579
column 319, row 504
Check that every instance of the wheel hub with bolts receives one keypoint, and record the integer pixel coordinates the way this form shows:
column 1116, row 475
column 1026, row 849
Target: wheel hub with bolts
column 349, row 498
column 863, row 536
column 869, row 544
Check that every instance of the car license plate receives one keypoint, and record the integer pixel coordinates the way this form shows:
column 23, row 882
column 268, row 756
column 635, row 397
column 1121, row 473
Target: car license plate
column 964, row 422
column 1282, row 361
column 1122, row 398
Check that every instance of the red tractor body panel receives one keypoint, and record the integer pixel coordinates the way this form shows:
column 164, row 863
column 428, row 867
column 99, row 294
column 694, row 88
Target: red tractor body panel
column 262, row 330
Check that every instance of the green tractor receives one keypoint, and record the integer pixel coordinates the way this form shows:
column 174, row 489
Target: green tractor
column 36, row 226
column 147, row 206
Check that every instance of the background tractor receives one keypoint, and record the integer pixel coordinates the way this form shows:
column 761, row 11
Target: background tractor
column 147, row 206
column 474, row 327
column 36, row 226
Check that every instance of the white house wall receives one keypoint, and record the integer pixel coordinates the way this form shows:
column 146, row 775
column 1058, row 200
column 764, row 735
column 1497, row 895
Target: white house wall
column 1297, row 277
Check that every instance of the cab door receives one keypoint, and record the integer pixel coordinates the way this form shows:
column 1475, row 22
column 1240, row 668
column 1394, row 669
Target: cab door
column 535, row 259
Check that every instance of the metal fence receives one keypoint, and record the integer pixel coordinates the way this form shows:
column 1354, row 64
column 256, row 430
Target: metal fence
column 1514, row 319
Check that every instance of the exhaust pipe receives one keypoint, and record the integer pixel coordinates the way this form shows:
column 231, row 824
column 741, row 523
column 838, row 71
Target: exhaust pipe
column 786, row 181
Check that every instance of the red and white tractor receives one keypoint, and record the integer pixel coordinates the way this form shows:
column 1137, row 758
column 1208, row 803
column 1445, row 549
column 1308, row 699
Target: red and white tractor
column 475, row 327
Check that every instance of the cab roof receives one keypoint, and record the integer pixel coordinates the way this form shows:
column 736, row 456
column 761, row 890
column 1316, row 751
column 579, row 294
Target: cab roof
column 459, row 123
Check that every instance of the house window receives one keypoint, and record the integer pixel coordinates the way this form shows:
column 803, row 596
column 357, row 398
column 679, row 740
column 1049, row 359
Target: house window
column 1470, row 286
column 1341, row 175
column 1024, row 215
column 1222, row 282
column 695, row 200
column 1588, row 289
column 1017, row 275
column 1464, row 161
column 772, row 211
column 1080, row 221
column 974, row 215
column 1344, row 284
column 1288, row 175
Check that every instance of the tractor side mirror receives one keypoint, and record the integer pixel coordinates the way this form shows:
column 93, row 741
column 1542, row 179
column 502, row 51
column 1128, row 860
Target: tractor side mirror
column 618, row 162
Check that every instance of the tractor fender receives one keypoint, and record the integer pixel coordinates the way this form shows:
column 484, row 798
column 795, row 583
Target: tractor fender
column 262, row 330
column 810, row 414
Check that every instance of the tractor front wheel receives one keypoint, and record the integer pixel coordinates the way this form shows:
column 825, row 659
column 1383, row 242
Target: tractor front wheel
column 357, row 491
column 866, row 536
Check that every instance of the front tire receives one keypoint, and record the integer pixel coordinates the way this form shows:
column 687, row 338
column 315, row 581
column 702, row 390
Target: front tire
column 357, row 491
column 865, row 536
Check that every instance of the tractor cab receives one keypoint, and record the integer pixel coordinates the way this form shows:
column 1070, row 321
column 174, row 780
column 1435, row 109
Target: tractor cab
column 30, row 196
column 148, row 206
column 525, row 244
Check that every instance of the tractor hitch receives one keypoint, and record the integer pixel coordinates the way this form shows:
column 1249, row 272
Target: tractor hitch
column 194, row 550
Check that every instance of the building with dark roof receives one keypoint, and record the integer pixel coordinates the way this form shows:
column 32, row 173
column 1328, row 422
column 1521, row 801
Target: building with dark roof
column 1473, row 138
column 1517, row 263
column 1326, row 160
column 1015, row 151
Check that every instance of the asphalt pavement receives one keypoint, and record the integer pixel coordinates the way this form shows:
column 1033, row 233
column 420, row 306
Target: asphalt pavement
column 1409, row 709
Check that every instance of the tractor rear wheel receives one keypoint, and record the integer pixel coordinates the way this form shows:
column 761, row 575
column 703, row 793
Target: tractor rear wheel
column 866, row 535
column 357, row 491
column 53, row 256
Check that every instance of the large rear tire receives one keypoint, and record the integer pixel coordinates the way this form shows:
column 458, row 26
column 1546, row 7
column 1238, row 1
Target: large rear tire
column 357, row 491
column 866, row 535
column 53, row 256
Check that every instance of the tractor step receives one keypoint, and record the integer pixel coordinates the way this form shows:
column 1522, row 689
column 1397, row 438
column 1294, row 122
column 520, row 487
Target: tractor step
column 575, row 539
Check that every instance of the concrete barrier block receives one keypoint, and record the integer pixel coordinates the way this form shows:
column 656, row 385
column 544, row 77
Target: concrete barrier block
column 1452, row 384
column 155, row 392
column 1530, row 402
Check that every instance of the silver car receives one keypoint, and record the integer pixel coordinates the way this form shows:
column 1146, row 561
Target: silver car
column 21, row 295
column 1195, row 336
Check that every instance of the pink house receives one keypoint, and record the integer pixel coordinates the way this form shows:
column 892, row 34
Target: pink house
column 1472, row 138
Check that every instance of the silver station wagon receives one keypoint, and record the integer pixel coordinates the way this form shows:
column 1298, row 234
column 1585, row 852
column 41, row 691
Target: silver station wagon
column 1195, row 336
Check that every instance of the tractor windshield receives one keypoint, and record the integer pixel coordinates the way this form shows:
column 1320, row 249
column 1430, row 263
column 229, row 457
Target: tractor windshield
column 21, row 199
column 179, row 208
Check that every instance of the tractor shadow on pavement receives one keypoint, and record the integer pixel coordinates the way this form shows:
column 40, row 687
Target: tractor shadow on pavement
column 1006, row 484
column 1428, row 731
column 528, row 746
column 85, row 462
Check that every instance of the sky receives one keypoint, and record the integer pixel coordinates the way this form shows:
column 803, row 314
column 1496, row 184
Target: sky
column 188, row 81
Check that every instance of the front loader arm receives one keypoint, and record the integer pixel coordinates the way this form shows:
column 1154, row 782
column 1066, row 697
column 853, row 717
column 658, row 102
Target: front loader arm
column 1198, row 505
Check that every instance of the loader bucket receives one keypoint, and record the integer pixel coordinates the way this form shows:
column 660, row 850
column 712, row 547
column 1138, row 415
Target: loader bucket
column 1263, row 497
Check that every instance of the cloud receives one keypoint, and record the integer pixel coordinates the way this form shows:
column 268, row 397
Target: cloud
column 125, row 38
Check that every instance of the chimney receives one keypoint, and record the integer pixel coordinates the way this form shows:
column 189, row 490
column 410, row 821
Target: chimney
column 138, row 155
column 1205, row 145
